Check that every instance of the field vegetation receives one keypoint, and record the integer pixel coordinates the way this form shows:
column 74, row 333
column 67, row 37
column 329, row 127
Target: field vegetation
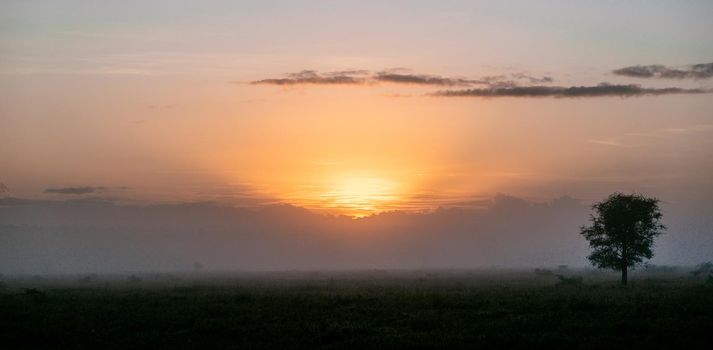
column 663, row 307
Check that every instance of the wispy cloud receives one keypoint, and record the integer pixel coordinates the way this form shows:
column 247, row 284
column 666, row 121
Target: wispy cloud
column 600, row 90
column 307, row 77
column 609, row 142
column 672, row 131
column 638, row 139
column 4, row 190
column 75, row 190
column 532, row 79
column 695, row 71
column 421, row 79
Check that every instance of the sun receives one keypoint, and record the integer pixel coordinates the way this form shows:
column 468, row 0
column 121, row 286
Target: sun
column 360, row 196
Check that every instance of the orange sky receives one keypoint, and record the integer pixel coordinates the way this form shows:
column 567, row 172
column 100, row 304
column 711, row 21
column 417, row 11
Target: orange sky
column 159, row 107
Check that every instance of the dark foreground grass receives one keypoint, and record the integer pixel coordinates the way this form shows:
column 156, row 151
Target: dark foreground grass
column 359, row 312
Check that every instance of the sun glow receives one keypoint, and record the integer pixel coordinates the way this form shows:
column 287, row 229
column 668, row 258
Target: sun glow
column 359, row 196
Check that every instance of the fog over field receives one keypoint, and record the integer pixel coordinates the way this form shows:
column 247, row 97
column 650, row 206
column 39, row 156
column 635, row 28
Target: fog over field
column 96, row 235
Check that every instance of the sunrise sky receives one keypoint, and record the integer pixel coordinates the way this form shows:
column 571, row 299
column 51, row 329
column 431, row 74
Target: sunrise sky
column 356, row 107
column 151, row 135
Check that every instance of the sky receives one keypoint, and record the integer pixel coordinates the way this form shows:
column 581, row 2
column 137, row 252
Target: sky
column 356, row 108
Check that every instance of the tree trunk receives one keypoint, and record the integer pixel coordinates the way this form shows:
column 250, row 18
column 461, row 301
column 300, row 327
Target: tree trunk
column 624, row 257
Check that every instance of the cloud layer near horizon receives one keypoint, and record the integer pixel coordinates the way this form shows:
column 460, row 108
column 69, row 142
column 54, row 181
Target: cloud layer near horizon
column 92, row 235
column 694, row 71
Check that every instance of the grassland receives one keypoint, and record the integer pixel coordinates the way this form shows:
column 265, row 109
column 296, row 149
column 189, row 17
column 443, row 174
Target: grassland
column 368, row 309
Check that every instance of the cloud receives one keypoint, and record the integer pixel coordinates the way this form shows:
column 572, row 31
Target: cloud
column 350, row 72
column 512, row 85
column 106, row 236
column 533, row 80
column 110, row 237
column 679, row 131
column 696, row 71
column 421, row 79
column 75, row 190
column 673, row 131
column 608, row 142
column 307, row 77
column 396, row 76
column 600, row 90
column 234, row 194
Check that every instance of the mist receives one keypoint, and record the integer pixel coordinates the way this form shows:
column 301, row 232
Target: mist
column 102, row 236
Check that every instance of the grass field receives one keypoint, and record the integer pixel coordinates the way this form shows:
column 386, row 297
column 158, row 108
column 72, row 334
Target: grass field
column 383, row 309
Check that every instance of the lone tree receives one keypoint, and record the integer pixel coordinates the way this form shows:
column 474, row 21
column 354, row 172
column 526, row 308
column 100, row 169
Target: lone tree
column 623, row 231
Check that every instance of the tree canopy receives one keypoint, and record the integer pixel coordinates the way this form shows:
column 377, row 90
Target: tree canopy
column 622, row 231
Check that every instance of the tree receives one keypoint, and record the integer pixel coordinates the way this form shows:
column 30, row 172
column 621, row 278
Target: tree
column 623, row 231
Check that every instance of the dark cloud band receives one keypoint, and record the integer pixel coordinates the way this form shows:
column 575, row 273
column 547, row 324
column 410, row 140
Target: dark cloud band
column 696, row 71
column 394, row 76
column 75, row 190
column 513, row 85
column 306, row 77
column 422, row 79
column 600, row 90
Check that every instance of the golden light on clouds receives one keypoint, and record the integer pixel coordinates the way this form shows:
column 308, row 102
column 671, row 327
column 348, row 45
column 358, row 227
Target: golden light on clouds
column 359, row 195
column 352, row 193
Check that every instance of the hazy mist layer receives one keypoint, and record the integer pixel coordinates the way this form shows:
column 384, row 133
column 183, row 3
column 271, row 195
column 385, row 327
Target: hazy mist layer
column 84, row 236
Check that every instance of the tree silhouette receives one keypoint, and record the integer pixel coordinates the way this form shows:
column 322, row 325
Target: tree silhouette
column 623, row 231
